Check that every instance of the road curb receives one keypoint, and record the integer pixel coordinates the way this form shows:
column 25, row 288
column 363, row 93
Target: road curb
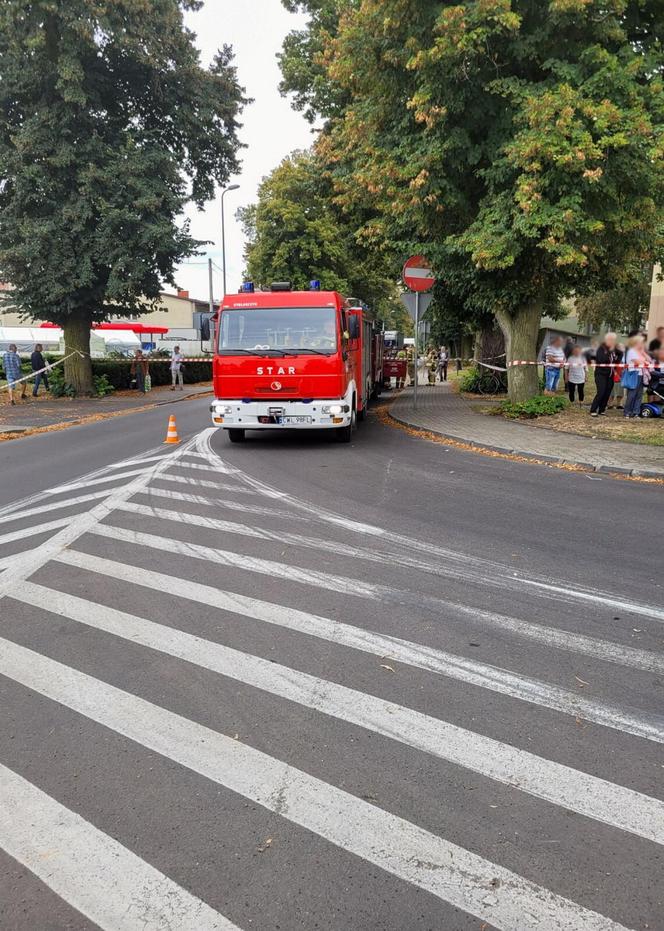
column 534, row 458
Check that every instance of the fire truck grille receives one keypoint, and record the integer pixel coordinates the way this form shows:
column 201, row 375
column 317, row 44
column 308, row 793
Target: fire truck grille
column 284, row 390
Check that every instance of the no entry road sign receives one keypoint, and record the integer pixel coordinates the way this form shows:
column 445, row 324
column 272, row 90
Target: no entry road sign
column 417, row 274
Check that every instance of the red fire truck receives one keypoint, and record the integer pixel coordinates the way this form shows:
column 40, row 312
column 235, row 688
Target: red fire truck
column 294, row 360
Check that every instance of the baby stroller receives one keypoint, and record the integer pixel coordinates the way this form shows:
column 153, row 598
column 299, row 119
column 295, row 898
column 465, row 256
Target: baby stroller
column 654, row 406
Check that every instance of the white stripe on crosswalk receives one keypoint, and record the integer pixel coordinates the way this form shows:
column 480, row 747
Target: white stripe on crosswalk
column 216, row 504
column 560, row 639
column 596, row 798
column 403, row 849
column 29, row 561
column 91, row 871
column 34, row 531
column 56, row 505
column 413, row 654
column 204, row 483
column 220, row 469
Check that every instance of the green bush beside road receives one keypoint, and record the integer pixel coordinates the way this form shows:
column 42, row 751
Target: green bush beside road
column 539, row 406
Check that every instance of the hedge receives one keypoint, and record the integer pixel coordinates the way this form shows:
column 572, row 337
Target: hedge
column 119, row 372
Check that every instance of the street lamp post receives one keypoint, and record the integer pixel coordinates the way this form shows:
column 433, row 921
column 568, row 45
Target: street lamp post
column 232, row 187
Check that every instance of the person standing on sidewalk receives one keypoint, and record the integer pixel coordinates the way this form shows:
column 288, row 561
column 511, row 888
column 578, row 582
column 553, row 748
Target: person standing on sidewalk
column 605, row 360
column 636, row 375
column 11, row 362
column 577, row 372
column 554, row 360
column 443, row 362
column 38, row 365
column 139, row 370
column 176, row 369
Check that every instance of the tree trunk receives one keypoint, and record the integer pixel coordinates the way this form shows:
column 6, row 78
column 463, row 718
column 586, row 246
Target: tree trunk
column 521, row 331
column 78, row 369
column 489, row 344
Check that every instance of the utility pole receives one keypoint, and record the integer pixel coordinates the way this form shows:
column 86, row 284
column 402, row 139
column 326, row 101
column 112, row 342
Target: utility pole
column 232, row 187
column 211, row 286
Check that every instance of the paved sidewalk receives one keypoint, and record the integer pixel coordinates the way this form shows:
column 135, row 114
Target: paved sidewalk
column 443, row 412
column 46, row 411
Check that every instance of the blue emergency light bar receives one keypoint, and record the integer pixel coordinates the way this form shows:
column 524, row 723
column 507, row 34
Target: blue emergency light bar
column 315, row 285
column 247, row 287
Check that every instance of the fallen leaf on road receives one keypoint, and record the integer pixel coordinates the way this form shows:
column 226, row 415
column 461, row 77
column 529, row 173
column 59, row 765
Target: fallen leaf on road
column 389, row 668
column 263, row 847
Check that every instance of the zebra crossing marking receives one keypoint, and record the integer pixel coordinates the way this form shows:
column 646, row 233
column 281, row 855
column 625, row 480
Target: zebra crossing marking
column 400, row 847
column 91, row 871
column 561, row 785
column 472, row 672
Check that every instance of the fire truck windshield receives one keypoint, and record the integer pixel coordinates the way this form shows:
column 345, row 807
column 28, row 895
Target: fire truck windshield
column 279, row 329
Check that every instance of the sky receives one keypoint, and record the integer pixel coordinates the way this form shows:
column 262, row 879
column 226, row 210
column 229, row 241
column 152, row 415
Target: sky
column 272, row 129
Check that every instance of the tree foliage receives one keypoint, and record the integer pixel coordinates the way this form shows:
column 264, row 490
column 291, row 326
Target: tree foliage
column 296, row 232
column 518, row 144
column 622, row 309
column 108, row 126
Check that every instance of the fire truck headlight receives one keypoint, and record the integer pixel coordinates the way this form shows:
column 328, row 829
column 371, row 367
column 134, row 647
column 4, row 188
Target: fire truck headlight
column 221, row 409
column 334, row 409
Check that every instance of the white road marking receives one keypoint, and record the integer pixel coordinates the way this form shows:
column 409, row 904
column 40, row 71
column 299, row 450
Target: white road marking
column 221, row 557
column 413, row 654
column 89, row 483
column 56, row 505
column 215, row 504
column 203, row 483
column 561, row 785
column 25, row 532
column 28, row 562
column 39, row 496
column 401, row 848
column 483, row 571
column 613, row 602
column 560, row 639
column 91, row 871
column 221, row 469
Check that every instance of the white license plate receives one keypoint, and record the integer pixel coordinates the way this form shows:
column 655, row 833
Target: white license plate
column 291, row 420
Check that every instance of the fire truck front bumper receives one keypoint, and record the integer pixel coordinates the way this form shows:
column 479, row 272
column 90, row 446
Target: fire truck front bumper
column 281, row 415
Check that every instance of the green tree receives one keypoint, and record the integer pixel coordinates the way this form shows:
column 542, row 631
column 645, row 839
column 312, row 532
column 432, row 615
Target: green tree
column 295, row 232
column 108, row 126
column 622, row 309
column 517, row 144
column 304, row 58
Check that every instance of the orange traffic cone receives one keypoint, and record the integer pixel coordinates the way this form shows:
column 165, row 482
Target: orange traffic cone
column 172, row 435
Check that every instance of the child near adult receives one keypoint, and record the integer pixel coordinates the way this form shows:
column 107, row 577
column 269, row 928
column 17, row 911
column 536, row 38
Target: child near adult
column 577, row 373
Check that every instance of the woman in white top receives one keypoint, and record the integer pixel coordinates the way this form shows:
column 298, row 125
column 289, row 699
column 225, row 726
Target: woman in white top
column 577, row 372
column 636, row 375
column 176, row 369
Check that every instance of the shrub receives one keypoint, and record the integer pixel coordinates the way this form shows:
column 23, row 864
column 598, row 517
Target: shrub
column 540, row 406
column 483, row 381
column 118, row 372
column 102, row 386
column 57, row 385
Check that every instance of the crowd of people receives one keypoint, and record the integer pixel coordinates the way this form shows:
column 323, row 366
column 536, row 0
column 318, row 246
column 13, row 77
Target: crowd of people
column 623, row 372
column 140, row 372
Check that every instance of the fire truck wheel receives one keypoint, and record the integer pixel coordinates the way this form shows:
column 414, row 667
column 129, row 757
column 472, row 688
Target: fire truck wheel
column 361, row 415
column 236, row 436
column 345, row 434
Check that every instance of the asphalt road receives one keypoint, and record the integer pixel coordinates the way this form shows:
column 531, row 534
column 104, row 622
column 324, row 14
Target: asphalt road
column 296, row 685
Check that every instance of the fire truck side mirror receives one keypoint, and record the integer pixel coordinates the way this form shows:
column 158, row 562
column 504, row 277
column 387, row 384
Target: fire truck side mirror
column 354, row 327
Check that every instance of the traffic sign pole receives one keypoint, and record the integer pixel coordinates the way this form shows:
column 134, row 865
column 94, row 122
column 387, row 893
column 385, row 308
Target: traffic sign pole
column 417, row 340
column 420, row 280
